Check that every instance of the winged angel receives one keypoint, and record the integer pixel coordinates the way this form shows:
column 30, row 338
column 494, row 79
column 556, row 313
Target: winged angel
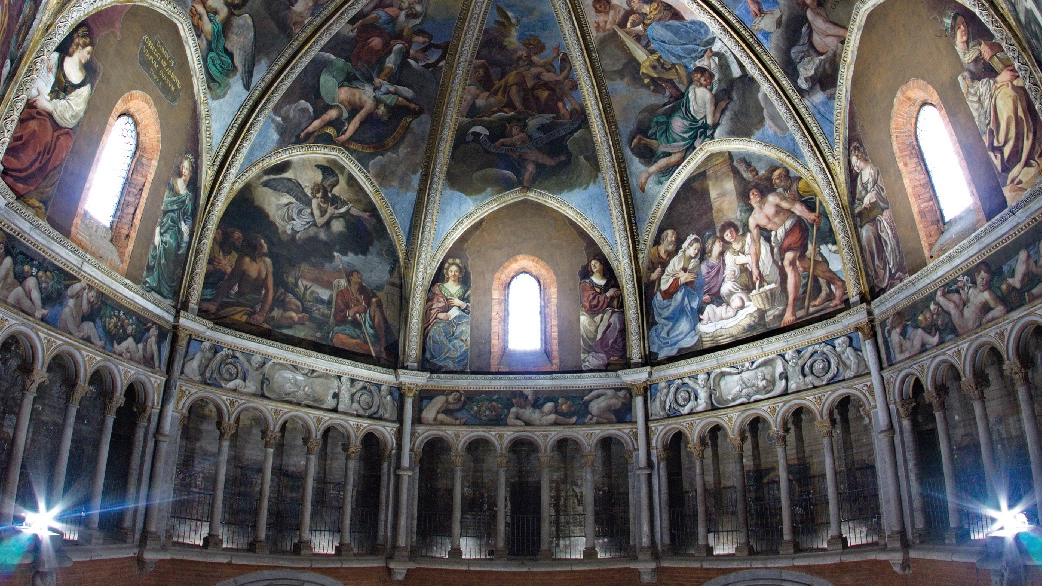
column 226, row 38
column 319, row 208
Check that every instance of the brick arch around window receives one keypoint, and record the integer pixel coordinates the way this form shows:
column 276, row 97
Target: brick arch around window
column 126, row 220
column 524, row 263
column 925, row 207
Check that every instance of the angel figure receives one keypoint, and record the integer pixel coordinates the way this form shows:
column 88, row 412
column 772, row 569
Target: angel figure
column 525, row 141
column 226, row 38
column 319, row 207
column 253, row 375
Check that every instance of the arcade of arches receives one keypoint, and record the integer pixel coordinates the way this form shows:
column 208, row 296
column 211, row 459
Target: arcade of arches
column 758, row 350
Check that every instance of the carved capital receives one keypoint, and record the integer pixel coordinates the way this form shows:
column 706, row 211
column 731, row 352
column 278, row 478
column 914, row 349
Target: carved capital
column 114, row 404
column 78, row 392
column 36, row 378
column 409, row 391
column 737, row 443
column 182, row 421
column 457, row 459
column 590, row 458
column 501, row 460
column 1016, row 373
column 865, row 330
column 544, row 459
column 824, row 427
column 639, row 389
column 312, row 444
column 697, row 450
column 973, row 388
column 630, row 455
column 905, row 408
column 227, row 428
column 779, row 435
column 936, row 397
column 144, row 415
column 352, row 451
column 271, row 438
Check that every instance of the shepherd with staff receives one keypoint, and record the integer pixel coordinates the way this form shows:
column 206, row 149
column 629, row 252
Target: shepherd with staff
column 790, row 235
column 360, row 325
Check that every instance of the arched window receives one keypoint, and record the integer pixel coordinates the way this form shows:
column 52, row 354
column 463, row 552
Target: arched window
column 945, row 204
column 524, row 313
column 110, row 207
column 113, row 166
column 524, row 316
column 942, row 164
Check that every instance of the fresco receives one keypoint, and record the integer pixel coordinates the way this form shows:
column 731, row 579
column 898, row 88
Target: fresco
column 239, row 40
column 372, row 90
column 525, row 408
column 796, row 370
column 1006, row 280
column 45, row 292
column 128, row 58
column 301, row 255
column 881, row 252
column 523, row 123
column 674, row 85
column 1028, row 17
column 602, row 324
column 252, row 374
column 1005, row 116
column 446, row 320
column 18, row 22
column 717, row 278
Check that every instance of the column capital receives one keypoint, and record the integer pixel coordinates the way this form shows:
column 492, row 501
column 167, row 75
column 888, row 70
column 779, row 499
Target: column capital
column 144, row 415
column 824, row 427
column 501, row 460
column 410, row 390
column 737, row 443
column 271, row 438
column 698, row 450
column 227, row 428
column 78, row 392
column 589, row 458
column 312, row 444
column 182, row 420
column 662, row 454
column 778, row 435
column 457, row 459
column 114, row 404
column 34, row 379
column 973, row 387
column 640, row 388
column 936, row 397
column 905, row 407
column 630, row 455
column 544, row 459
column 1016, row 373
column 351, row 450
column 865, row 330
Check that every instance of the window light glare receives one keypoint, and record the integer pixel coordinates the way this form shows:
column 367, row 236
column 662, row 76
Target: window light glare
column 949, row 182
column 524, row 313
column 112, row 169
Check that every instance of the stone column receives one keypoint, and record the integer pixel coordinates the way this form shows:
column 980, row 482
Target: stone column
column 955, row 532
column 214, row 540
column 501, row 505
column 640, row 416
column 21, row 431
column 386, row 467
column 1027, row 412
column 590, row 528
column 126, row 525
column 350, row 471
column 974, row 390
column 702, row 548
column 61, row 462
column 836, row 539
column 905, row 409
column 544, row 505
column 737, row 445
column 661, row 500
column 401, row 545
column 455, row 551
column 145, row 479
column 886, row 461
column 98, row 484
column 788, row 544
column 414, row 503
column 303, row 544
column 259, row 545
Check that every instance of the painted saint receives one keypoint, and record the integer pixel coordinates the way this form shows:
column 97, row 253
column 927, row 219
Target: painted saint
column 446, row 328
column 166, row 256
column 602, row 324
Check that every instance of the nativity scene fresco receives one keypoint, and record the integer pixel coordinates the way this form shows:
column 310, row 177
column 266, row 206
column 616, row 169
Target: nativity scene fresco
column 371, row 89
column 675, row 85
column 765, row 257
column 525, row 408
column 301, row 254
column 119, row 78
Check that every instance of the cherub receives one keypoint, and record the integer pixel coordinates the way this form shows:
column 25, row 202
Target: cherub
column 603, row 402
column 853, row 363
column 907, row 346
column 1025, row 267
column 524, row 413
column 451, row 401
column 226, row 37
column 253, row 377
column 83, row 300
column 29, row 295
column 972, row 306
column 317, row 208
column 518, row 144
column 144, row 352
column 608, row 15
column 196, row 364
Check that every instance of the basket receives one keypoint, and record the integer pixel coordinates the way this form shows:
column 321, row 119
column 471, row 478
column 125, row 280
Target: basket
column 766, row 297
